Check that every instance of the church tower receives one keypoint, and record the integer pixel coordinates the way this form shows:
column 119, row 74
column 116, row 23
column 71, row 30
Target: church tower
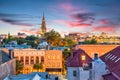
column 43, row 26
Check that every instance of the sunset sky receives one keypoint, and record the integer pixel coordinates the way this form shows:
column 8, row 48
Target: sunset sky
column 64, row 16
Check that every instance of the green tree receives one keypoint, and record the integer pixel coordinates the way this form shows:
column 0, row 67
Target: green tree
column 38, row 66
column 93, row 41
column 66, row 54
column 53, row 37
column 19, row 67
column 32, row 40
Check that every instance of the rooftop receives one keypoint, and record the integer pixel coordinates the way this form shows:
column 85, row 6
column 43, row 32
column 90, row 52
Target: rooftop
column 112, row 60
column 32, row 76
column 78, row 58
column 5, row 57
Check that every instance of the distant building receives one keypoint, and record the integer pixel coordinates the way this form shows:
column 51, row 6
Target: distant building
column 103, row 38
column 7, row 64
column 32, row 76
column 3, row 36
column 51, row 59
column 77, row 37
column 112, row 61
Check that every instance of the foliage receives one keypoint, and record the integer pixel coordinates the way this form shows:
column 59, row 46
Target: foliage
column 66, row 54
column 38, row 66
column 93, row 41
column 19, row 67
column 55, row 39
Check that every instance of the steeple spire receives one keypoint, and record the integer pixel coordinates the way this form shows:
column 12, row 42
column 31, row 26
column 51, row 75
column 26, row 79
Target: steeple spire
column 43, row 17
column 43, row 26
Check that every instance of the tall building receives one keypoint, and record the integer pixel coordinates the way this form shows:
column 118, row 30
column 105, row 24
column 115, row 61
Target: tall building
column 43, row 27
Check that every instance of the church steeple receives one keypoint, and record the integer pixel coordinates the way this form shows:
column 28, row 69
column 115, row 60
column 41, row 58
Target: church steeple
column 43, row 18
column 43, row 26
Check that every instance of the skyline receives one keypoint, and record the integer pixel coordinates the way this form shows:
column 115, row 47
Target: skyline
column 63, row 16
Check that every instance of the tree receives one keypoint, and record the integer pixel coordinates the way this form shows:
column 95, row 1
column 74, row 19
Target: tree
column 93, row 41
column 53, row 37
column 38, row 66
column 19, row 67
column 66, row 54
column 32, row 40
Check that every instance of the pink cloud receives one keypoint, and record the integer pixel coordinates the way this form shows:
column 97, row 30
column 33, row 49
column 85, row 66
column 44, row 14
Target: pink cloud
column 105, row 28
column 104, row 21
column 31, row 31
column 66, row 6
column 73, row 24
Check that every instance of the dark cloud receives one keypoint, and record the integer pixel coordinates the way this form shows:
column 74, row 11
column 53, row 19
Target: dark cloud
column 18, row 19
column 14, row 22
column 8, row 15
column 82, row 17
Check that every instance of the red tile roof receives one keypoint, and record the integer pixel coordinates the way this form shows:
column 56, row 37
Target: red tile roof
column 75, row 60
column 109, row 77
column 112, row 60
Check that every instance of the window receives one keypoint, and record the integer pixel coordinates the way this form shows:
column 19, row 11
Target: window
column 74, row 73
column 83, row 57
column 32, row 59
column 42, row 59
column 21, row 59
column 117, row 60
column 26, row 60
column 37, row 59
column 114, row 58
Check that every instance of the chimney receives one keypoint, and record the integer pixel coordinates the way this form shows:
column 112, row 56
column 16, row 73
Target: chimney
column 11, row 53
column 95, row 56
column 0, row 57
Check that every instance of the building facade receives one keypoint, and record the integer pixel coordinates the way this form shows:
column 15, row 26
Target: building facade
column 29, row 57
column 7, row 65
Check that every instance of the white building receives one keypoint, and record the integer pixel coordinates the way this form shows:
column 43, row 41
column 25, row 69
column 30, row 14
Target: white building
column 81, row 67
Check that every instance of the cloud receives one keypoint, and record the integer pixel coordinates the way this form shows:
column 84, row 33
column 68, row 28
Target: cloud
column 66, row 6
column 15, row 22
column 17, row 19
column 104, row 21
column 31, row 31
column 105, row 29
column 82, row 17
column 73, row 24
column 69, row 8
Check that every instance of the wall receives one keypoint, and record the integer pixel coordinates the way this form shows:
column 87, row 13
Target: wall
column 81, row 74
column 7, row 68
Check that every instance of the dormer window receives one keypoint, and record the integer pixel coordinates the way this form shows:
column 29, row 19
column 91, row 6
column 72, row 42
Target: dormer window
column 83, row 57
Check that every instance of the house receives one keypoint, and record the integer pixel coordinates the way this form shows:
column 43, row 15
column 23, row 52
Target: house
column 78, row 65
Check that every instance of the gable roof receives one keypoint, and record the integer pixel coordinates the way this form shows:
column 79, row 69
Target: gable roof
column 112, row 60
column 75, row 60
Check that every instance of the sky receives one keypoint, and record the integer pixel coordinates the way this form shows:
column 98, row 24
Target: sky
column 64, row 16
